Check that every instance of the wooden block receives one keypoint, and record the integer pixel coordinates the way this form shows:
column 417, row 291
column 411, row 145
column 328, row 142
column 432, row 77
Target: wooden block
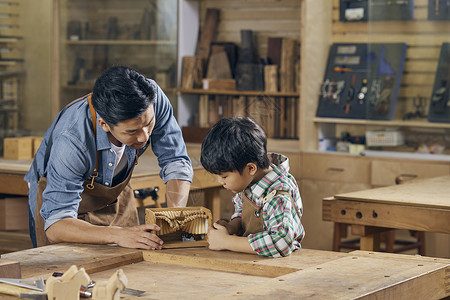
column 240, row 106
column 274, row 50
column 9, row 269
column 37, row 140
column 187, row 72
column 219, row 84
column 287, row 66
column 271, row 78
column 219, row 66
column 207, row 33
column 18, row 148
column 14, row 213
column 194, row 134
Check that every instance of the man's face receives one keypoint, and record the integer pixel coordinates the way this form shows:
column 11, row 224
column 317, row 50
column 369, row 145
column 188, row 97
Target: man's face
column 133, row 132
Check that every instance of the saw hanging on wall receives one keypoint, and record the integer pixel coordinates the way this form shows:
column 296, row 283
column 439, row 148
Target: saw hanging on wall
column 181, row 227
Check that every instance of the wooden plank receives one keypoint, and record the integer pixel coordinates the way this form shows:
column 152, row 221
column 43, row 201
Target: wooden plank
column 9, row 269
column 427, row 193
column 280, row 13
column 287, row 65
column 256, row 25
column 207, row 34
column 239, row 4
column 364, row 277
column 43, row 261
column 218, row 264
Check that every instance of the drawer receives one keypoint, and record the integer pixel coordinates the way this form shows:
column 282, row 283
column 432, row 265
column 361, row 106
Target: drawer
column 336, row 167
column 14, row 213
column 384, row 172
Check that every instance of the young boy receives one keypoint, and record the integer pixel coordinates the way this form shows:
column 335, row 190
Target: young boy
column 267, row 203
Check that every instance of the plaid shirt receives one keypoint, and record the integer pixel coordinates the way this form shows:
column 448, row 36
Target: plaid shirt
column 283, row 230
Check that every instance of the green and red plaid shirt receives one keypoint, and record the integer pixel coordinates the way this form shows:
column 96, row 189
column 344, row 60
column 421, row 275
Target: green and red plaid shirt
column 283, row 230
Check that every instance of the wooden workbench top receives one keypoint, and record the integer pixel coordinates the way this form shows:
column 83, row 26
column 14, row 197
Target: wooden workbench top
column 199, row 273
column 433, row 192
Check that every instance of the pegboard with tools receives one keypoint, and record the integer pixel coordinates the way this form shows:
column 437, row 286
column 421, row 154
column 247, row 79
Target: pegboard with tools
column 376, row 10
column 439, row 110
column 362, row 81
column 439, row 10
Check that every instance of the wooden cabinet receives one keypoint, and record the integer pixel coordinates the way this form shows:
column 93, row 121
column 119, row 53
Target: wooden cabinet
column 94, row 35
column 324, row 175
column 385, row 171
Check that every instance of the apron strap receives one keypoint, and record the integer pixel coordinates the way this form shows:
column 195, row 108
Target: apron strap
column 94, row 124
column 50, row 138
column 279, row 192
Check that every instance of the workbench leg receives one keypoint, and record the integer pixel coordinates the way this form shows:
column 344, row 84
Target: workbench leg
column 212, row 202
column 370, row 242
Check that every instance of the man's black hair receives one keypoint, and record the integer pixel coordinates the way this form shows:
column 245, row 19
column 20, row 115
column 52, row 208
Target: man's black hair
column 121, row 93
column 231, row 144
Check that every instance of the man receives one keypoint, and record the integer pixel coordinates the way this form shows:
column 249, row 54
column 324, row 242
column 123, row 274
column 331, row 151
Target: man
column 79, row 180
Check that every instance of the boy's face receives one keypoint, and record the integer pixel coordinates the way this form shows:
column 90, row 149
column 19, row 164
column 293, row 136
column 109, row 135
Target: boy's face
column 236, row 182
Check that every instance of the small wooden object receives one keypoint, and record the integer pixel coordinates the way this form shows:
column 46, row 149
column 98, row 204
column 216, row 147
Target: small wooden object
column 219, row 84
column 67, row 287
column 174, row 222
column 271, row 78
column 110, row 290
column 18, row 148
column 287, row 66
column 9, row 269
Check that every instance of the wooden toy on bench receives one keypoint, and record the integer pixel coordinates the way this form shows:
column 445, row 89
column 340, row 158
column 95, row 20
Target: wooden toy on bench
column 67, row 287
column 181, row 227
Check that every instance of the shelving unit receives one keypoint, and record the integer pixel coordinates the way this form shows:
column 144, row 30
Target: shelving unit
column 93, row 35
column 276, row 112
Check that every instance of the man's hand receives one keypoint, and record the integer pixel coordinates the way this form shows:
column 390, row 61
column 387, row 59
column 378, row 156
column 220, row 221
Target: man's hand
column 78, row 231
column 139, row 237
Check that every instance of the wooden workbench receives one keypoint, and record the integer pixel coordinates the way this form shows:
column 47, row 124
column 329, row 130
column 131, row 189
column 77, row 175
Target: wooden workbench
column 198, row 273
column 146, row 174
column 422, row 205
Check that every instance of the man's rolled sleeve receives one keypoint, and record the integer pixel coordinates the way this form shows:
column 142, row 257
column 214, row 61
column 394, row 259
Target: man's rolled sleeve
column 177, row 170
column 59, row 216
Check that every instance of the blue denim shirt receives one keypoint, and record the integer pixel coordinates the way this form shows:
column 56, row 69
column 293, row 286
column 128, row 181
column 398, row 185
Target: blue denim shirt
column 73, row 157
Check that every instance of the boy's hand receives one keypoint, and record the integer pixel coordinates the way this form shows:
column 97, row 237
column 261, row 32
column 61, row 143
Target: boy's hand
column 233, row 227
column 217, row 236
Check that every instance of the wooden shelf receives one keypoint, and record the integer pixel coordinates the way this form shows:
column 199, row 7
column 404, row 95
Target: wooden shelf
column 237, row 93
column 423, row 124
column 122, row 42
column 89, row 87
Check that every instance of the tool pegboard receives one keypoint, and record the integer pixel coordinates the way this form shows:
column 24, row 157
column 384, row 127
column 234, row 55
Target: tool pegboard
column 362, row 81
column 439, row 110
column 375, row 10
column 439, row 10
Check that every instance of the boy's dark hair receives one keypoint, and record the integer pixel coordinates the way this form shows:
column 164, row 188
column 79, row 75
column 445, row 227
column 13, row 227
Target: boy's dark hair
column 121, row 93
column 231, row 144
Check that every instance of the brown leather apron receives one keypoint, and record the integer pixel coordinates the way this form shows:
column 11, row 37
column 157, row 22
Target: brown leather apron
column 252, row 218
column 100, row 205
